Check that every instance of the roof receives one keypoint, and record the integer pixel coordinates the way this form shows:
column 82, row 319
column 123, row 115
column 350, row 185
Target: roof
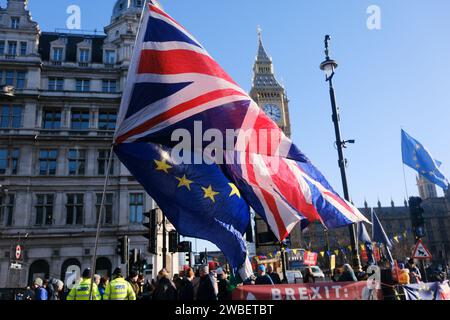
column 71, row 47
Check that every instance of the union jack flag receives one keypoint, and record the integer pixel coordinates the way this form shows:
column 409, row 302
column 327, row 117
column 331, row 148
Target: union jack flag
column 173, row 83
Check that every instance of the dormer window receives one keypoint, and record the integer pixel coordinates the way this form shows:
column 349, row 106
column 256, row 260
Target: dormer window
column 58, row 54
column 84, row 55
column 110, row 56
column 15, row 22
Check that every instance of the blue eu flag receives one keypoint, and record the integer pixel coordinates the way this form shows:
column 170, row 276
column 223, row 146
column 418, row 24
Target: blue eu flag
column 416, row 156
column 380, row 236
column 198, row 199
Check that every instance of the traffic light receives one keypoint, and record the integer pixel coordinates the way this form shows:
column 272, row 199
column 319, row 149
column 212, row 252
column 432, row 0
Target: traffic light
column 203, row 258
column 185, row 246
column 417, row 219
column 174, row 239
column 151, row 234
column 189, row 259
column 122, row 249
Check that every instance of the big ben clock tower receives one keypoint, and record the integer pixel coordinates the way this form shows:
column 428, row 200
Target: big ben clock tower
column 271, row 97
column 267, row 92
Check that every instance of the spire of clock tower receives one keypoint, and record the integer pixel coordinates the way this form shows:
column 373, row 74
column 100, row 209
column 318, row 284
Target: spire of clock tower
column 266, row 91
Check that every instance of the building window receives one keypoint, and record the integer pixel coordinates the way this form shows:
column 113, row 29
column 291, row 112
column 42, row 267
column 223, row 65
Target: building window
column 10, row 117
column 80, row 120
column 58, row 54
column 9, row 160
column 108, row 208
column 56, row 84
column 107, row 120
column 84, row 55
column 83, row 85
column 13, row 78
column 2, row 47
column 75, row 203
column 47, row 162
column 6, row 210
column 77, row 160
column 12, row 48
column 15, row 22
column 44, row 209
column 110, row 56
column 136, row 207
column 23, row 48
column 110, row 86
column 102, row 159
column 51, row 119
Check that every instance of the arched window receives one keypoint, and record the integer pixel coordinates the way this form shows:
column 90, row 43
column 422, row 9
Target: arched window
column 103, row 267
column 70, row 271
column 38, row 269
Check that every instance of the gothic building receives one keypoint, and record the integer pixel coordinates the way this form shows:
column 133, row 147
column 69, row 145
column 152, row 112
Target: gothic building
column 58, row 110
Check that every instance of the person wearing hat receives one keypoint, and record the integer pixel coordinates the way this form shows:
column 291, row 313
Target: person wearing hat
column 40, row 293
column 223, row 285
column 82, row 291
column 133, row 280
column 119, row 288
column 263, row 278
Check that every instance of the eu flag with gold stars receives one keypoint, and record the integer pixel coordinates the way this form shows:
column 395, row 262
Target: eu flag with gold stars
column 416, row 156
column 198, row 199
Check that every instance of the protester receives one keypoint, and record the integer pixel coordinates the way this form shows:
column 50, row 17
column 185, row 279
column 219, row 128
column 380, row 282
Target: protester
column 177, row 279
column 82, row 290
column 40, row 293
column 97, row 279
column 186, row 288
column 55, row 289
column 309, row 277
column 207, row 287
column 223, row 285
column 165, row 290
column 348, row 275
column 414, row 272
column 273, row 275
column 263, row 278
column 119, row 288
column 403, row 277
column 132, row 279
column 104, row 282
column 336, row 275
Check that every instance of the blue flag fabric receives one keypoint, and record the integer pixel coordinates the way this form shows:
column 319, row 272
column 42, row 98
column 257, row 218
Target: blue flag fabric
column 363, row 236
column 416, row 156
column 196, row 198
column 380, row 236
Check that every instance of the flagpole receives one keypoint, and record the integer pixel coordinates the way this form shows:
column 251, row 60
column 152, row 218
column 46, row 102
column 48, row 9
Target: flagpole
column 404, row 180
column 99, row 222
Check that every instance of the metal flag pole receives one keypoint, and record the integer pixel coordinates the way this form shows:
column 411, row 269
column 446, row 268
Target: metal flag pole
column 99, row 222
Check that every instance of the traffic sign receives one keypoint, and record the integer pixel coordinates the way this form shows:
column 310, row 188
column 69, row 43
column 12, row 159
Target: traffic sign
column 16, row 266
column 421, row 252
column 18, row 252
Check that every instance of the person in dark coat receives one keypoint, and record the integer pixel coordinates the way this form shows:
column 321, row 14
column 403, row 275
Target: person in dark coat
column 207, row 287
column 165, row 290
column 273, row 275
column 186, row 287
column 224, row 284
column 348, row 275
column 263, row 278
column 309, row 277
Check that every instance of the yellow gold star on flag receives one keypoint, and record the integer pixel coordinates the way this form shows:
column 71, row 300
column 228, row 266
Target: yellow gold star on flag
column 162, row 166
column 210, row 193
column 234, row 190
column 184, row 182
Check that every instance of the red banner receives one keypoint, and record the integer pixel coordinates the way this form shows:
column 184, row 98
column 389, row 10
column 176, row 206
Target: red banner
column 376, row 254
column 310, row 258
column 308, row 291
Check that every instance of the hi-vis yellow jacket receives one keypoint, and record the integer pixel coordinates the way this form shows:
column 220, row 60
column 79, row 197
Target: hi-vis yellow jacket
column 119, row 289
column 81, row 291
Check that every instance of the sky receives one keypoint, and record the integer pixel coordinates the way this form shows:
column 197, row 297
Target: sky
column 392, row 78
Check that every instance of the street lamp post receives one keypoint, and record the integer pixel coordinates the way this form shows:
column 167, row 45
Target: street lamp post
column 329, row 66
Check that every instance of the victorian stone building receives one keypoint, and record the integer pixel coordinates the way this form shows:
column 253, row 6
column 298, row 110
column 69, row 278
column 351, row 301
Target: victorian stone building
column 58, row 109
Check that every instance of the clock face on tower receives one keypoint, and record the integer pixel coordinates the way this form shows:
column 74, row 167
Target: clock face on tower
column 273, row 111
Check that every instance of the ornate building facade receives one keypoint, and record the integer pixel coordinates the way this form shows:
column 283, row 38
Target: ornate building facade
column 58, row 112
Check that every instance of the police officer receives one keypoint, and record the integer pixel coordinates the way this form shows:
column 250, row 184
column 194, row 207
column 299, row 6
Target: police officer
column 82, row 290
column 119, row 288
